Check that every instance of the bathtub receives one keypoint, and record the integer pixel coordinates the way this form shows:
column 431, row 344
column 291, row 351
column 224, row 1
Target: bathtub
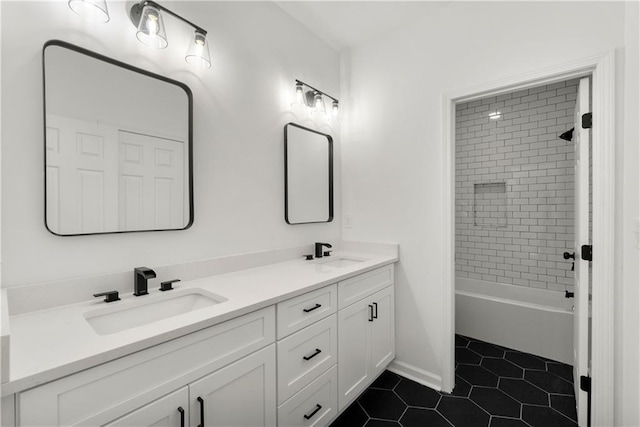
column 536, row 321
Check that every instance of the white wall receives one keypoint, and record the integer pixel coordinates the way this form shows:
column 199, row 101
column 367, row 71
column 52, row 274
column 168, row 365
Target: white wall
column 392, row 157
column 241, row 106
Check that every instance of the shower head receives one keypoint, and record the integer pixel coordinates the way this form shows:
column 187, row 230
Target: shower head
column 568, row 135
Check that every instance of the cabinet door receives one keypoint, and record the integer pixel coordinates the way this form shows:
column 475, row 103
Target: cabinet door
column 164, row 412
column 354, row 354
column 242, row 394
column 382, row 331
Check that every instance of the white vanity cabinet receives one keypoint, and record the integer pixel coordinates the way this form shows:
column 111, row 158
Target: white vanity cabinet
column 231, row 361
column 168, row 411
column 242, row 394
column 366, row 331
column 307, row 356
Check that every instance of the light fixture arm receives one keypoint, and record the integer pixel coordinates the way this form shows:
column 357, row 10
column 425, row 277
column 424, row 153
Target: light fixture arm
column 316, row 90
column 136, row 13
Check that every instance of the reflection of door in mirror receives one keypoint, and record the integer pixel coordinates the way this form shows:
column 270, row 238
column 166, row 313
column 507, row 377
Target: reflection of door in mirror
column 309, row 175
column 100, row 178
column 118, row 146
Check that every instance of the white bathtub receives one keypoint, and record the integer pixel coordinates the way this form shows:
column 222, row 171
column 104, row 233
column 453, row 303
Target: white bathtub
column 536, row 321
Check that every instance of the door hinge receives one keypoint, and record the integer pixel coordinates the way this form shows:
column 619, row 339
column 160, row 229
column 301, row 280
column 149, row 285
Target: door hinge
column 586, row 121
column 585, row 383
column 587, row 252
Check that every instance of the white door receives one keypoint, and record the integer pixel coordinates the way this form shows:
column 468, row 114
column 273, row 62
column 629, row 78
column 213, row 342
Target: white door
column 581, row 333
column 151, row 180
column 81, row 167
column 242, row 394
column 168, row 411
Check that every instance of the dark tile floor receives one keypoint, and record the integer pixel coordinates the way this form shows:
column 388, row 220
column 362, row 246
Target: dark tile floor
column 495, row 387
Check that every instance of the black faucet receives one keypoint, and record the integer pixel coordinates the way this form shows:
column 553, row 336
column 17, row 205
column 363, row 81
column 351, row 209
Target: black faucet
column 319, row 249
column 142, row 274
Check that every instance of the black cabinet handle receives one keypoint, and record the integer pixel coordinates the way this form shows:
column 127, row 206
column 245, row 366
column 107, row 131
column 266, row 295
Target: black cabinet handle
column 315, row 307
column 370, row 313
column 375, row 306
column 181, row 416
column 309, row 416
column 315, row 353
column 199, row 399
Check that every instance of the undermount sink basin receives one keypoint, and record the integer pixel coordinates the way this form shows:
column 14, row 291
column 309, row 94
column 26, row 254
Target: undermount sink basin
column 122, row 316
column 339, row 261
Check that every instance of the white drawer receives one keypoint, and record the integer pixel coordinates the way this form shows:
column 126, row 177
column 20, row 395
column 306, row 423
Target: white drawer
column 296, row 313
column 303, row 356
column 315, row 405
column 106, row 392
column 359, row 287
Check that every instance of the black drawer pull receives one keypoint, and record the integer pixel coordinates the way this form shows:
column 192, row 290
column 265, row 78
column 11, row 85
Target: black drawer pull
column 181, row 416
column 199, row 399
column 308, row 417
column 315, row 353
column 375, row 306
column 308, row 310
column 370, row 313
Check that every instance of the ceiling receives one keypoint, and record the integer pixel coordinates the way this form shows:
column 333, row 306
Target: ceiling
column 346, row 24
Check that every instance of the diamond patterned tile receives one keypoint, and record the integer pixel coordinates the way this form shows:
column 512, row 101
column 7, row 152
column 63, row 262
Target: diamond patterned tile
column 486, row 349
column 525, row 360
column 383, row 404
column 387, row 380
column 551, row 383
column 495, row 402
column 462, row 412
column 495, row 387
column 502, row 367
column 477, row 375
column 417, row 417
column 538, row 416
column 469, row 357
column 524, row 391
column 414, row 394
column 461, row 341
column 562, row 370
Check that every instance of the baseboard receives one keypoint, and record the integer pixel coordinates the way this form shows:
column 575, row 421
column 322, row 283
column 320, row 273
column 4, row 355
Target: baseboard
column 418, row 375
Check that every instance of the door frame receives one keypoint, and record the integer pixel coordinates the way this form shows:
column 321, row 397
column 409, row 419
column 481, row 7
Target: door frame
column 601, row 68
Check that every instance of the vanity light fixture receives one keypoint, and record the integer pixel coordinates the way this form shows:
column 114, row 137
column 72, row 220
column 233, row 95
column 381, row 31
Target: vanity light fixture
column 147, row 18
column 94, row 10
column 314, row 99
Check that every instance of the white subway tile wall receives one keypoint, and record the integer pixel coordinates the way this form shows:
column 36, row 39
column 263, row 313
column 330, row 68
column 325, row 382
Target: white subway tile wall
column 519, row 148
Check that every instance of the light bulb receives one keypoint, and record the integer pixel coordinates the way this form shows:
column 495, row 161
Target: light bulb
column 198, row 51
column 335, row 109
column 151, row 28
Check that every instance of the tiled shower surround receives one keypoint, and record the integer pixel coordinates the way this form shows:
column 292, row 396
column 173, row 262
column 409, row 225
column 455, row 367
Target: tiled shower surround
column 514, row 187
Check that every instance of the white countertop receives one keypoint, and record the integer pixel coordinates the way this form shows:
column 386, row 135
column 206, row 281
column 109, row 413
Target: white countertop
column 49, row 344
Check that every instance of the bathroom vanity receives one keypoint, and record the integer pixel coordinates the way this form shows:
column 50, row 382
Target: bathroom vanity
column 287, row 344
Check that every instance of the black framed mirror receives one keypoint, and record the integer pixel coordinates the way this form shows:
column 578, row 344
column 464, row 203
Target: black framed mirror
column 308, row 158
column 118, row 145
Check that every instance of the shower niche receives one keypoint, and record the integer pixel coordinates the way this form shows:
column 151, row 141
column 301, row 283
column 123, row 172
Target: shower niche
column 490, row 204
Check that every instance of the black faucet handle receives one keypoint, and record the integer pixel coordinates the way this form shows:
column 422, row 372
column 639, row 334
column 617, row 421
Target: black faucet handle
column 168, row 285
column 308, row 257
column 110, row 296
column 327, row 253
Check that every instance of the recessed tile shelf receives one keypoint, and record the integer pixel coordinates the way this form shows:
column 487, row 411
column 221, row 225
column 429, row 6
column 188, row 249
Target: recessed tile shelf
column 490, row 204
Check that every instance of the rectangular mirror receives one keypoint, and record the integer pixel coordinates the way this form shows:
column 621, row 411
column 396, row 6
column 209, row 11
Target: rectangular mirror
column 118, row 146
column 308, row 156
